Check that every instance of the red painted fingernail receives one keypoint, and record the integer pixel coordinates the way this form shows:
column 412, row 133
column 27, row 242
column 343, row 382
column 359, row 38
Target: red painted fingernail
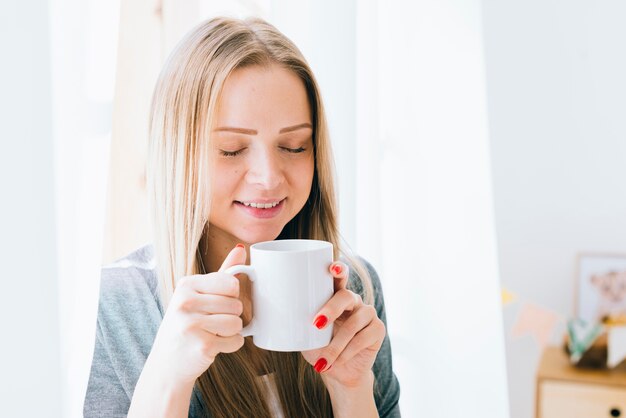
column 319, row 366
column 320, row 321
column 240, row 246
column 336, row 269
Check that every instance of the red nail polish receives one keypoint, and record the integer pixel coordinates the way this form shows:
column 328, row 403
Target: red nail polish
column 319, row 366
column 336, row 269
column 320, row 321
column 240, row 246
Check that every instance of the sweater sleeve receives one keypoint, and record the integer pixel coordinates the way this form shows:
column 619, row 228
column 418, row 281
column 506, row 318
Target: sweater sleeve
column 386, row 387
column 105, row 395
column 128, row 320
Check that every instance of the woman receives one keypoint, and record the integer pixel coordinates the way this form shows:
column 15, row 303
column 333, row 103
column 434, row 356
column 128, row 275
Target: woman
column 239, row 153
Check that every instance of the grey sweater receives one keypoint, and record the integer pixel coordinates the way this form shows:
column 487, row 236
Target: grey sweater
column 129, row 315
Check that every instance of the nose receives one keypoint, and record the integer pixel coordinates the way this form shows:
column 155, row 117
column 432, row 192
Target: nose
column 265, row 169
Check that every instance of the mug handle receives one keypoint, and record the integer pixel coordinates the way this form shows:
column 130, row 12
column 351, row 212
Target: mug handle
column 242, row 268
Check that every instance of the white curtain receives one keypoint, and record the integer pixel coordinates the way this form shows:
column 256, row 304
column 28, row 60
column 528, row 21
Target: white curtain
column 83, row 46
column 424, row 199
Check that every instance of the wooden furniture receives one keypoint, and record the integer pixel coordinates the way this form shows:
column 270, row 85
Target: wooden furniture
column 565, row 391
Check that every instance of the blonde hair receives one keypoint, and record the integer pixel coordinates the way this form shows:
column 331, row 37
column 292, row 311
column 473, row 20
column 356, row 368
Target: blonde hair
column 178, row 179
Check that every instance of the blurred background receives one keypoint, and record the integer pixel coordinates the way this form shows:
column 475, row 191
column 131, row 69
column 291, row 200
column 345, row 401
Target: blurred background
column 480, row 148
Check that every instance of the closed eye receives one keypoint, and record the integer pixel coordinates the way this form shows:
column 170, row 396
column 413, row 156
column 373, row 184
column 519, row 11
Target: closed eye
column 235, row 153
column 294, row 150
column 231, row 153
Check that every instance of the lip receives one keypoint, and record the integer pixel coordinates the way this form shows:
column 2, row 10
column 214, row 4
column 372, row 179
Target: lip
column 259, row 200
column 262, row 213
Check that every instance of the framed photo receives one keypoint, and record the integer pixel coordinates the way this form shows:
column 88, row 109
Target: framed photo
column 601, row 287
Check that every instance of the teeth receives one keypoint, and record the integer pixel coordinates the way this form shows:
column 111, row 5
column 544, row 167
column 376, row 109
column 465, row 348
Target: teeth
column 261, row 205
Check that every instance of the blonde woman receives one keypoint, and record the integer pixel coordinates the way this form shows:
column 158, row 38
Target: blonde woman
column 236, row 122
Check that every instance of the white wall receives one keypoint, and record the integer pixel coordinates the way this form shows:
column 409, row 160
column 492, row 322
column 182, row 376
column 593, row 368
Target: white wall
column 556, row 80
column 29, row 353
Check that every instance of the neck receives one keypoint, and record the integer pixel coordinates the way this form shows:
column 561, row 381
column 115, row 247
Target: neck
column 215, row 246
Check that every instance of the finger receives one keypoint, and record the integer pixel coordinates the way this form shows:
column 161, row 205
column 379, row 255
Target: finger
column 359, row 319
column 219, row 284
column 222, row 325
column 340, row 272
column 212, row 304
column 212, row 345
column 237, row 255
column 369, row 338
column 343, row 300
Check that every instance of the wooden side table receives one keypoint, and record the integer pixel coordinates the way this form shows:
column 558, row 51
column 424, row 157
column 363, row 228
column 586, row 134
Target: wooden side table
column 565, row 391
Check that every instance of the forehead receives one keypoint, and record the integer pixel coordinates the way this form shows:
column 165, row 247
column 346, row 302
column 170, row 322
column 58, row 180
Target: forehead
column 259, row 97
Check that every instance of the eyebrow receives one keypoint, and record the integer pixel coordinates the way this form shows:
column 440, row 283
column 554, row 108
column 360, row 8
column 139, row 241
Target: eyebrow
column 254, row 132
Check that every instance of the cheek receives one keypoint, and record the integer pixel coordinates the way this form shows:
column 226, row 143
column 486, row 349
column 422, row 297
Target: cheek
column 303, row 176
column 224, row 182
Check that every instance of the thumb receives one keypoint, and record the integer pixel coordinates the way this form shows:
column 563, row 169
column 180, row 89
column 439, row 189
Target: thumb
column 237, row 255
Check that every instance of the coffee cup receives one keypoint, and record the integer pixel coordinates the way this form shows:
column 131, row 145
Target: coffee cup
column 291, row 282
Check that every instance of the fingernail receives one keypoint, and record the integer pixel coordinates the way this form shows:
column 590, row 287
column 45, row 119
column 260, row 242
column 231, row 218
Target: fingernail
column 319, row 366
column 320, row 321
column 240, row 246
column 336, row 269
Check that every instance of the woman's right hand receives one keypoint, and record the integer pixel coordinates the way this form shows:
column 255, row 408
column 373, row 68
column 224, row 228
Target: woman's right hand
column 202, row 320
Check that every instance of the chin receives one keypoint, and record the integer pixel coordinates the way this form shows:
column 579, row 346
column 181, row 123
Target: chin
column 252, row 237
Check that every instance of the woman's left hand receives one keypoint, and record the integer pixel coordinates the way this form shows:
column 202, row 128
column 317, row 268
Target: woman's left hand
column 358, row 334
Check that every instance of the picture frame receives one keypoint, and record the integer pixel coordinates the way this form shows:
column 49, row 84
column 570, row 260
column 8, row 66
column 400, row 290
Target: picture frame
column 600, row 291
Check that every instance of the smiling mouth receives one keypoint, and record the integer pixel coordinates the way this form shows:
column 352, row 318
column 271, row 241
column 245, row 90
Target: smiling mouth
column 262, row 210
column 260, row 205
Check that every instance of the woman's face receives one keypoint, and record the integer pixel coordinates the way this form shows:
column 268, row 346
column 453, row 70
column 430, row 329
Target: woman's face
column 262, row 147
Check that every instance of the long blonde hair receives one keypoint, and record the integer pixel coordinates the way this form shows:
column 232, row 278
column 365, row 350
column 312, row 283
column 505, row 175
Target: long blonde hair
column 178, row 179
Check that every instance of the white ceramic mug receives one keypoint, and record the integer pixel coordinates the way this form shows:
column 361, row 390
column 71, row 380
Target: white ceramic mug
column 291, row 282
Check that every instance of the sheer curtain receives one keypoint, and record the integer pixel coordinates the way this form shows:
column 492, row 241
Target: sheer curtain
column 425, row 211
column 83, row 46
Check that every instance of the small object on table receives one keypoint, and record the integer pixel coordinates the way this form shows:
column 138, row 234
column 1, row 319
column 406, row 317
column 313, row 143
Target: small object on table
column 596, row 345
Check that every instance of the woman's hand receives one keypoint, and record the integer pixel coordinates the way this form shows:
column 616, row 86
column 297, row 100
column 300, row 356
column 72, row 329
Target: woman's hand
column 357, row 336
column 202, row 320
